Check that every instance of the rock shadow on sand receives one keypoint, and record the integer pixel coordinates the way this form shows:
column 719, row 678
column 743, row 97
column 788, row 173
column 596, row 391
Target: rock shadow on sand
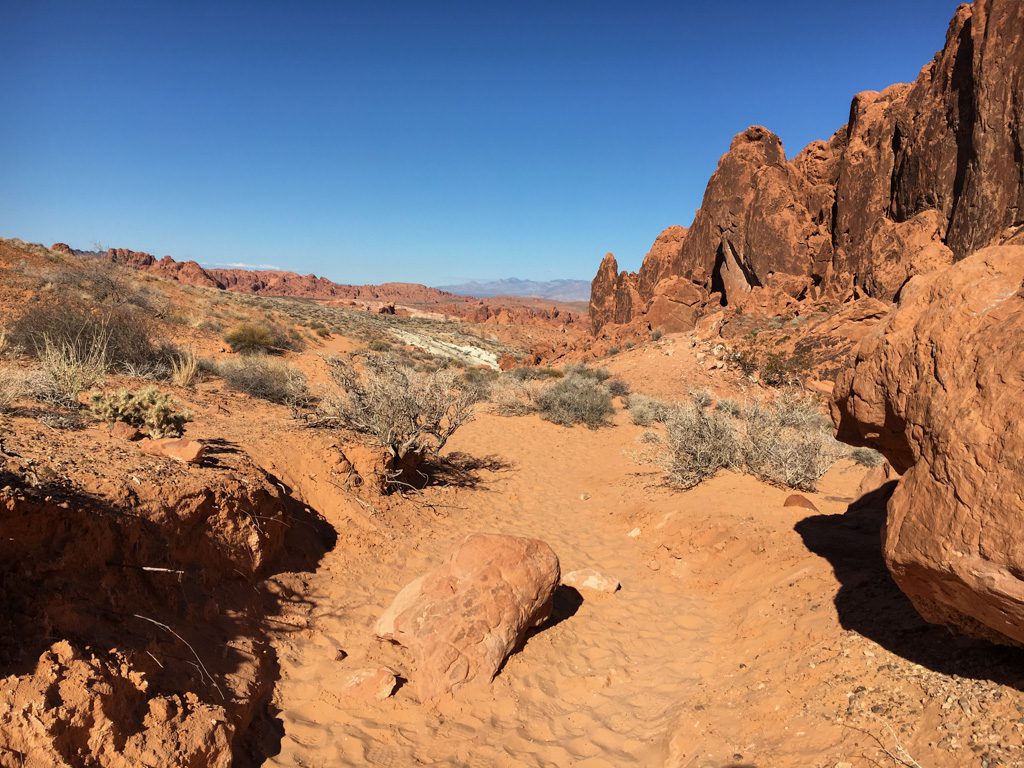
column 870, row 603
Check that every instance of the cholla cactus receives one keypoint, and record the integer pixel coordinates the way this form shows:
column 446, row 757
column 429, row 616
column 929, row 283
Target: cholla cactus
column 148, row 410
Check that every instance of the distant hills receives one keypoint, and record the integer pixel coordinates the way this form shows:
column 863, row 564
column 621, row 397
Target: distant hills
column 553, row 290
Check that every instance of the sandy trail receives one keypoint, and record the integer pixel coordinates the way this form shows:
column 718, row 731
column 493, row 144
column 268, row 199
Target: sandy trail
column 596, row 689
column 728, row 646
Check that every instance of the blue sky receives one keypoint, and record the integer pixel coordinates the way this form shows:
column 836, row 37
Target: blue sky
column 428, row 142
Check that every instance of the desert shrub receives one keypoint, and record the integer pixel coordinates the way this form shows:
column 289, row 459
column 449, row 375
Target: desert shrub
column 402, row 410
column 867, row 457
column 514, row 396
column 576, row 399
column 123, row 333
column 728, row 406
column 612, row 351
column 617, row 387
column 656, row 334
column 99, row 280
column 700, row 442
column 266, row 378
column 701, row 397
column 10, row 389
column 253, row 338
column 644, row 410
column 146, row 409
column 379, row 345
column 479, row 381
column 534, row 373
column 788, row 442
column 70, row 368
column 184, row 368
column 581, row 369
column 629, row 344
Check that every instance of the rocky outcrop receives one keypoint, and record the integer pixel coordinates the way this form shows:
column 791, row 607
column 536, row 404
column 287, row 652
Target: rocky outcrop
column 462, row 620
column 921, row 175
column 936, row 389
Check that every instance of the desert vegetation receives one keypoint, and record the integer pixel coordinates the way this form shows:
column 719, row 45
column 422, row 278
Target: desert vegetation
column 408, row 413
column 148, row 410
column 264, row 377
column 783, row 440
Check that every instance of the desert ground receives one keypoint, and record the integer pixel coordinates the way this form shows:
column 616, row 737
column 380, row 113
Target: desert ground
column 755, row 505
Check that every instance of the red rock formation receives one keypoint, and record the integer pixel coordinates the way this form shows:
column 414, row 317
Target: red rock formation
column 922, row 174
column 937, row 390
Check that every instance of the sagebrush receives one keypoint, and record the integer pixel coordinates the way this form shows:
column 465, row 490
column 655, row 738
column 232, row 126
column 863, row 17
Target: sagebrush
column 402, row 410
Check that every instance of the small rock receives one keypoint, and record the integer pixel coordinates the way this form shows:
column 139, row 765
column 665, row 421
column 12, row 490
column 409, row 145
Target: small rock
column 179, row 448
column 372, row 683
column 124, row 431
column 589, row 578
column 584, row 496
column 634, row 533
column 796, row 500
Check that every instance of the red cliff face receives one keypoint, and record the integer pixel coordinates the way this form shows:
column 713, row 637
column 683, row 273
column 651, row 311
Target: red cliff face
column 923, row 174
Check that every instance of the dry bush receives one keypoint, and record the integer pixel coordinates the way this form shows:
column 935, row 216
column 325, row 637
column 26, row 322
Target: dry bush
column 404, row 411
column 617, row 387
column 867, row 457
column 729, row 406
column 784, row 441
column 266, row 378
column 184, row 368
column 124, row 333
column 71, row 367
column 515, row 396
column 788, row 442
column 253, row 338
column 584, row 371
column 576, row 399
column 644, row 410
column 11, row 389
column 700, row 442
column 147, row 410
column 701, row 397
column 534, row 373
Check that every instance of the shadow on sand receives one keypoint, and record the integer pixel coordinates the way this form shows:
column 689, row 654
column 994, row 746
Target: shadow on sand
column 870, row 603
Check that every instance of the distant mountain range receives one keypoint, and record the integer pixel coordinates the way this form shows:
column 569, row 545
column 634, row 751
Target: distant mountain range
column 553, row 290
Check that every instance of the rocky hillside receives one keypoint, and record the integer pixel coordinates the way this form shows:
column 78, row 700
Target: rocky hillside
column 383, row 297
column 264, row 282
column 922, row 175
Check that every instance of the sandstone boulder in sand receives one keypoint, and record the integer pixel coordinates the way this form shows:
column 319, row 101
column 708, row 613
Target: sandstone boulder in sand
column 462, row 620
column 372, row 683
column 937, row 390
column 590, row 578
column 796, row 500
column 178, row 448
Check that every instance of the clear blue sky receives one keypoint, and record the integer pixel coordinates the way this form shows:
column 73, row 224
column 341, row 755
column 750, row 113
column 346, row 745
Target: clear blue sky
column 430, row 142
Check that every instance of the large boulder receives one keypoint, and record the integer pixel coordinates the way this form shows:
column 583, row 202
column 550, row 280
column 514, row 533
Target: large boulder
column 937, row 390
column 462, row 620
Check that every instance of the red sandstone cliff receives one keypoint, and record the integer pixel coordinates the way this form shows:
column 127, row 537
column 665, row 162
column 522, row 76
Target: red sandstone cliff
column 923, row 174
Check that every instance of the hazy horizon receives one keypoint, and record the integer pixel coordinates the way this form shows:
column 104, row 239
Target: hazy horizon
column 371, row 143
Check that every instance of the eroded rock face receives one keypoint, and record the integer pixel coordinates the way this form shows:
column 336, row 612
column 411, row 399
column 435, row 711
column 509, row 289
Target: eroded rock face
column 937, row 390
column 462, row 620
column 922, row 174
